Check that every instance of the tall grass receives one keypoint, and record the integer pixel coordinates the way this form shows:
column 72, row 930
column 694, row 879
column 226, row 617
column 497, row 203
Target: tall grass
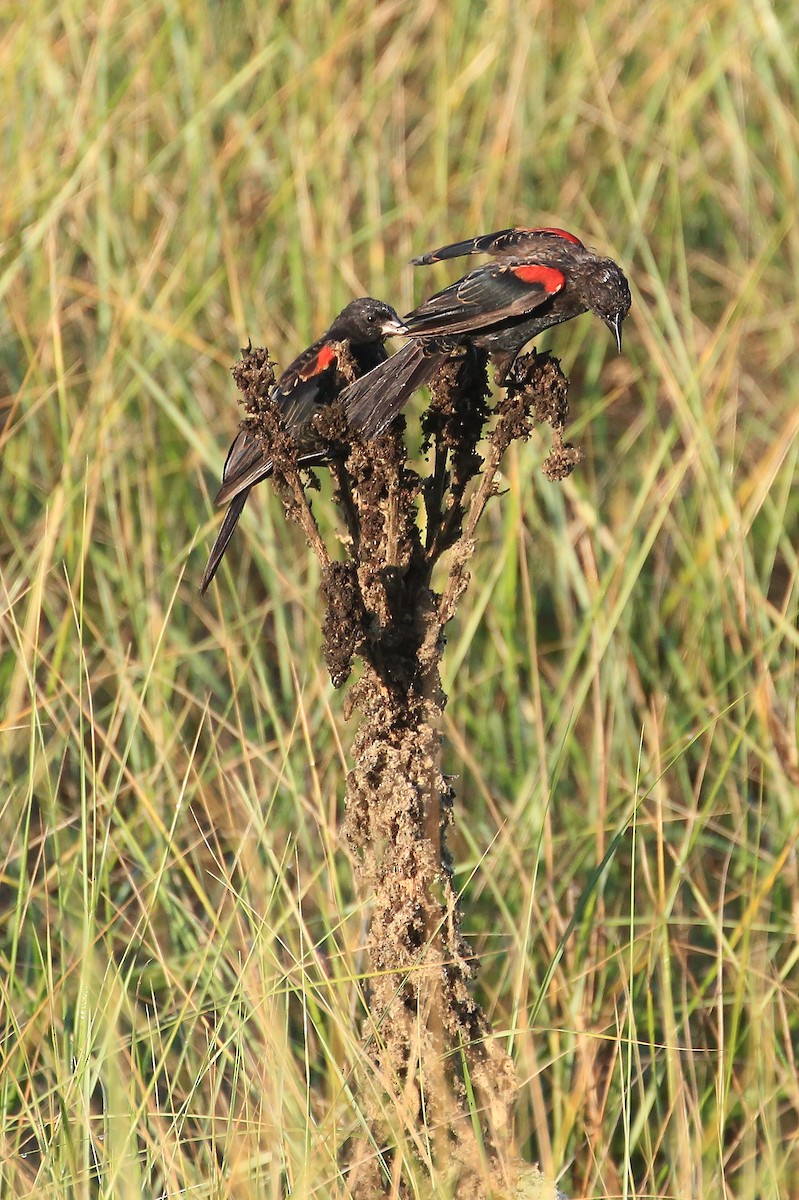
column 180, row 964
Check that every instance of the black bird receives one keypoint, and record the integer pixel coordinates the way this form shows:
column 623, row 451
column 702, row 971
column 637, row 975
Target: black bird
column 312, row 380
column 541, row 278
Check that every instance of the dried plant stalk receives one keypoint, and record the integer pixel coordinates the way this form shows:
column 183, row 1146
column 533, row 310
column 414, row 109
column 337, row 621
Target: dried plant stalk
column 436, row 1066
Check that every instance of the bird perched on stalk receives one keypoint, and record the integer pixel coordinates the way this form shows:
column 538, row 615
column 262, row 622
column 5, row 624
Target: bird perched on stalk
column 541, row 278
column 312, row 380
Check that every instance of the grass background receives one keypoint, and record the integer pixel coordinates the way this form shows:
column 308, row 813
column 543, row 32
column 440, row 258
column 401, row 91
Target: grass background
column 179, row 938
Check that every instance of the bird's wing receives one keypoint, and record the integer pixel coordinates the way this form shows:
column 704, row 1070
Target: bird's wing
column 314, row 361
column 245, row 465
column 485, row 297
column 374, row 400
column 306, row 383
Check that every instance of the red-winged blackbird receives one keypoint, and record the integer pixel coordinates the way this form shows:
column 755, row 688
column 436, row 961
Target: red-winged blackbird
column 542, row 278
column 312, row 380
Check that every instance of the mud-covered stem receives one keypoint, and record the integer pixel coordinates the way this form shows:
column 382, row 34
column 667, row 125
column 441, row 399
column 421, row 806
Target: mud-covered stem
column 434, row 1065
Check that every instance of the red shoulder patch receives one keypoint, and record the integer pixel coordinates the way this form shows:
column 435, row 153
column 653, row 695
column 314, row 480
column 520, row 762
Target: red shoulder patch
column 317, row 365
column 324, row 358
column 550, row 278
column 561, row 233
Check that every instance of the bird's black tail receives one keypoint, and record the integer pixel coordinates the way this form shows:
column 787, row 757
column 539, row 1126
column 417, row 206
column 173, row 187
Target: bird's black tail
column 223, row 537
column 374, row 400
column 486, row 243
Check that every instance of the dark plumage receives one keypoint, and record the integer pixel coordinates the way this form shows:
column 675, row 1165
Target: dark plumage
column 542, row 277
column 312, row 380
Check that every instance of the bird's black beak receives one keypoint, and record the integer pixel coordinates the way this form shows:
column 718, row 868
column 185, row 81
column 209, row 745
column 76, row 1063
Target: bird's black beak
column 614, row 325
column 393, row 327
